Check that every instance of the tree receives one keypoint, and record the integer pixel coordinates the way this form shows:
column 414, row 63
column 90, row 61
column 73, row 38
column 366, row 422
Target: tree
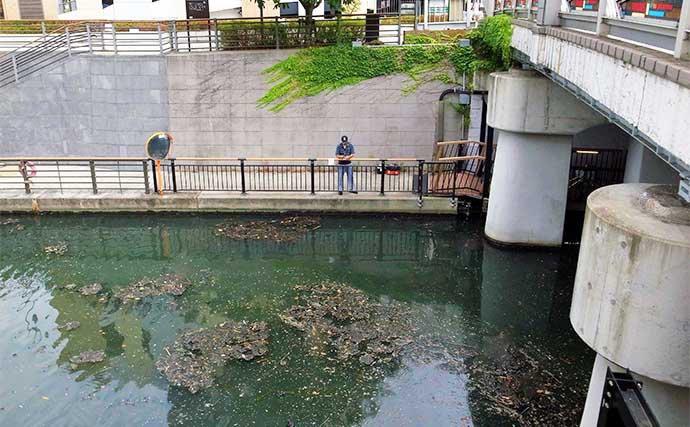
column 310, row 5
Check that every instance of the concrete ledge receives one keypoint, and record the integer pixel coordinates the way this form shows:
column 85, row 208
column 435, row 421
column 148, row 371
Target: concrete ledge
column 205, row 201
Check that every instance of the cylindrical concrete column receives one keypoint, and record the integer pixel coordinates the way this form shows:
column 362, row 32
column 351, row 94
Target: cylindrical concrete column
column 535, row 121
column 631, row 301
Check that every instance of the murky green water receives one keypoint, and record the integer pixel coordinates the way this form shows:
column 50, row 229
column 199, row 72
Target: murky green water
column 458, row 288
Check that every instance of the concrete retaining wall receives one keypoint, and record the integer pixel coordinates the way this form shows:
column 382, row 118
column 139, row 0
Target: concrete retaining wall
column 109, row 105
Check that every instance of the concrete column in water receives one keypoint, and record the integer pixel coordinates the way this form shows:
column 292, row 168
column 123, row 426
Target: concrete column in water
column 631, row 301
column 535, row 121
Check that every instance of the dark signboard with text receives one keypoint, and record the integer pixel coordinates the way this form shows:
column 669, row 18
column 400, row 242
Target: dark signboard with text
column 197, row 9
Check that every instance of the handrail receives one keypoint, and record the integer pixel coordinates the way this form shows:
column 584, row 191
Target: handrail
column 443, row 178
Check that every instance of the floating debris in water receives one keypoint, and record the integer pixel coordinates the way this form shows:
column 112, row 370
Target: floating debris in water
column 280, row 230
column 71, row 286
column 91, row 289
column 58, row 249
column 88, row 357
column 520, row 387
column 345, row 320
column 191, row 361
column 69, row 326
column 14, row 223
column 171, row 284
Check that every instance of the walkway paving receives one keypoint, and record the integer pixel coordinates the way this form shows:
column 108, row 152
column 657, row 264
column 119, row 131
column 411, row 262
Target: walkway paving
column 207, row 201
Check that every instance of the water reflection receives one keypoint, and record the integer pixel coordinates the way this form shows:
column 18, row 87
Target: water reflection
column 460, row 290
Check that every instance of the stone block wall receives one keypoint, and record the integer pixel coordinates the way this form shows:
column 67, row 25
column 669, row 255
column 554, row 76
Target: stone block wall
column 109, row 105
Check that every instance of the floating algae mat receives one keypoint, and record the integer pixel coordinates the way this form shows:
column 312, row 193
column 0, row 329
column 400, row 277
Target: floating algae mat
column 350, row 321
column 167, row 284
column 353, row 326
column 280, row 230
column 192, row 359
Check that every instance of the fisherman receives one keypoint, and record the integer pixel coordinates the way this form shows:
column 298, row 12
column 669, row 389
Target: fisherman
column 344, row 153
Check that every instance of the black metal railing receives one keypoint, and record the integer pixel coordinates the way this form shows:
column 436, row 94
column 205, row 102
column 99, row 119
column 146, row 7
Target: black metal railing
column 463, row 176
column 592, row 168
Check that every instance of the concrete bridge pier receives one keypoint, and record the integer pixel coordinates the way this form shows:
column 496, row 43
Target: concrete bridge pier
column 535, row 121
column 631, row 301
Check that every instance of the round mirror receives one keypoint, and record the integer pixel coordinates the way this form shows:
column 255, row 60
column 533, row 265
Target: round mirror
column 158, row 146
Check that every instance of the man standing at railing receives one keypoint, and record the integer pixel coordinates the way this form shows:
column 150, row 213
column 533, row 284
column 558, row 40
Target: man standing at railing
column 344, row 153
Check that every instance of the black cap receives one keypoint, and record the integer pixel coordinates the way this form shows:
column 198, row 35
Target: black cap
column 343, row 138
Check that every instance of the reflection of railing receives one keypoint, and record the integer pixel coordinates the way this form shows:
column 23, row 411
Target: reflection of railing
column 451, row 177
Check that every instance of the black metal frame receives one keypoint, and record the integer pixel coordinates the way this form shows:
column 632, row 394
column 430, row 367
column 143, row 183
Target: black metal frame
column 623, row 404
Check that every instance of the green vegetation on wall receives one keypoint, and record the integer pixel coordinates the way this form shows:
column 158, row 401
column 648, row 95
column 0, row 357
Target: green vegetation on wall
column 315, row 70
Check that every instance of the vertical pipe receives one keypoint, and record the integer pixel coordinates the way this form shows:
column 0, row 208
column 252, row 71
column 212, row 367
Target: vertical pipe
column 43, row 28
column 311, row 174
column 383, row 177
column 244, row 187
column 155, row 177
column 174, row 177
column 25, row 177
column 145, row 167
column 92, row 168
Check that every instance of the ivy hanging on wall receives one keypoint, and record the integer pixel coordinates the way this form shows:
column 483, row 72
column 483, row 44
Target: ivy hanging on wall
column 312, row 71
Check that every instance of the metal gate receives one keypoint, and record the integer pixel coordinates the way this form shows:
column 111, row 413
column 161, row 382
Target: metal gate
column 592, row 168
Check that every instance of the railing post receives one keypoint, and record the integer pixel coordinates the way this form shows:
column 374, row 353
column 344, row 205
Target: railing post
column 88, row 37
column 420, row 177
column 174, row 176
column 311, row 175
column 210, row 43
column 383, row 177
column 488, row 161
column 25, row 177
column 602, row 29
column 277, row 34
column 173, row 36
column 244, row 186
column 14, row 68
column 400, row 32
column 114, row 39
column 215, row 28
column 682, row 48
column 43, row 28
column 456, row 171
column 145, row 167
column 92, row 168
column 69, row 45
column 155, row 178
column 160, row 39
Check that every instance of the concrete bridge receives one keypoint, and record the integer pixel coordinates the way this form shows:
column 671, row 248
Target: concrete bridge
column 631, row 301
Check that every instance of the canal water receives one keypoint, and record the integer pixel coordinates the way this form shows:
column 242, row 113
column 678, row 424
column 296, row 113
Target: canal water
column 482, row 303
